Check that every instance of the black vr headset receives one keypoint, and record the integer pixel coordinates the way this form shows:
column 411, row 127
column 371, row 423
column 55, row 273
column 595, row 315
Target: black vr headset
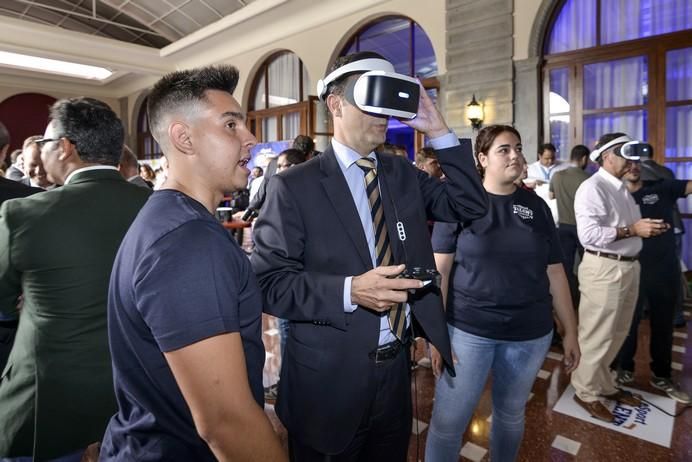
column 631, row 149
column 380, row 90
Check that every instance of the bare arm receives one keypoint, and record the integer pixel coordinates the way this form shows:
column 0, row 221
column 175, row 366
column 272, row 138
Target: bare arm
column 562, row 303
column 212, row 377
column 443, row 261
column 688, row 188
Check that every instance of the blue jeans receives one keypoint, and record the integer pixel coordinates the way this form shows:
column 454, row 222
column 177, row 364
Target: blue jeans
column 514, row 367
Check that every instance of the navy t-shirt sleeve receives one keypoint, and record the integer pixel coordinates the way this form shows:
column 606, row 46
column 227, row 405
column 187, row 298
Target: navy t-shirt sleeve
column 444, row 237
column 186, row 287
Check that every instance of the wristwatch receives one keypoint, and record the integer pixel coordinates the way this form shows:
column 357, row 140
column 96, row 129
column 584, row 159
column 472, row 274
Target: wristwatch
column 626, row 230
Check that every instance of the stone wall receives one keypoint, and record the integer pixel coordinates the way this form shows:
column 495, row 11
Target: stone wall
column 479, row 60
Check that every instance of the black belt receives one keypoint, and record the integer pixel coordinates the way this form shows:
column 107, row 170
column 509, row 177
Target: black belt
column 387, row 351
column 612, row 256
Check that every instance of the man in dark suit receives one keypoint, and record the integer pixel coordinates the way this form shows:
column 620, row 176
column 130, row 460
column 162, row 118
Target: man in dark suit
column 9, row 189
column 57, row 248
column 344, row 393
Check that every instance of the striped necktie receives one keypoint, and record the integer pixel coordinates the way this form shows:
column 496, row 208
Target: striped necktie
column 383, row 251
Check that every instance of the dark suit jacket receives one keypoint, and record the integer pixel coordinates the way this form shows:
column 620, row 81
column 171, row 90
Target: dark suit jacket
column 10, row 189
column 58, row 247
column 308, row 238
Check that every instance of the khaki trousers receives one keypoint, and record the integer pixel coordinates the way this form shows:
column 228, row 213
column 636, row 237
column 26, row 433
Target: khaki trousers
column 609, row 290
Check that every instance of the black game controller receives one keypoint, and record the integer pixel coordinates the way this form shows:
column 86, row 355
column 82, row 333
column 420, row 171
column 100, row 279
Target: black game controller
column 422, row 274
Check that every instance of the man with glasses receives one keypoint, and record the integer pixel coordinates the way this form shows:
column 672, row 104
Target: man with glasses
column 57, row 248
column 611, row 228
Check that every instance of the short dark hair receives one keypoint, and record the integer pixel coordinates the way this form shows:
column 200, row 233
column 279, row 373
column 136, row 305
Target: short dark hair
column 578, row 153
column 338, row 87
column 92, row 126
column 423, row 154
column 546, row 147
column 184, row 88
column 605, row 139
column 486, row 137
column 4, row 135
column 293, row 156
column 304, row 143
column 257, row 167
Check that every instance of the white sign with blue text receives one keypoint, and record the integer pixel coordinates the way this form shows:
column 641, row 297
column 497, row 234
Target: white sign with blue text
column 644, row 422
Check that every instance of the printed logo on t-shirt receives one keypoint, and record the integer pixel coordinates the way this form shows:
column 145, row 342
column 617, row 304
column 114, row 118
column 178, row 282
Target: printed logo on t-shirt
column 524, row 213
column 650, row 199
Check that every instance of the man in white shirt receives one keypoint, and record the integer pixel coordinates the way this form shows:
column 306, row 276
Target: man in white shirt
column 610, row 227
column 546, row 166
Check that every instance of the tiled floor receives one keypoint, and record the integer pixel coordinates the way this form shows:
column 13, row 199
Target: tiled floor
column 549, row 436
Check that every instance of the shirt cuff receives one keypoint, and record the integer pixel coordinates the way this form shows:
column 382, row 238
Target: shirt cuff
column 348, row 306
column 445, row 141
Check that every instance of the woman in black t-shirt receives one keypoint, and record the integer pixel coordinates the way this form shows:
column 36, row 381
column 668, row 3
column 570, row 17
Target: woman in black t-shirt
column 504, row 274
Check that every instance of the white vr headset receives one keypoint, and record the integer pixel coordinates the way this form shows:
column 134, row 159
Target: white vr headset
column 631, row 149
column 380, row 90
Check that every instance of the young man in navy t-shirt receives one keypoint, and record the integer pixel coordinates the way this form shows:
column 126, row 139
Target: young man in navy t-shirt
column 184, row 308
column 659, row 282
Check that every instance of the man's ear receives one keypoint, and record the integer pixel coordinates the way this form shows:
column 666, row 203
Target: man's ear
column 334, row 104
column 67, row 149
column 179, row 134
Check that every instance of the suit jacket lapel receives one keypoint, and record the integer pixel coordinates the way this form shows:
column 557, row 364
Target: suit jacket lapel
column 339, row 195
column 389, row 197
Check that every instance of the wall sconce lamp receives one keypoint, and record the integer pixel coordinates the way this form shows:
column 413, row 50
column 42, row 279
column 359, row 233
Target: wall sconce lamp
column 474, row 112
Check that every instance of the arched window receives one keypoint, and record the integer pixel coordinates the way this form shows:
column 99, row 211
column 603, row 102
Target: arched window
column 147, row 148
column 406, row 45
column 278, row 108
column 622, row 65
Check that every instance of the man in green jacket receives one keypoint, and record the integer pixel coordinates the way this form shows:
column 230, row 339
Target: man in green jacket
column 57, row 249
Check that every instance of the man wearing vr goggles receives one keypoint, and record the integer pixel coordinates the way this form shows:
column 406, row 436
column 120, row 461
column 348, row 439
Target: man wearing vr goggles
column 610, row 228
column 334, row 235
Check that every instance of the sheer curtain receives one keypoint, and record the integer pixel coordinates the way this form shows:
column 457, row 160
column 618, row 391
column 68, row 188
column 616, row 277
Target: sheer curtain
column 631, row 19
column 284, row 80
column 618, row 83
column 575, row 27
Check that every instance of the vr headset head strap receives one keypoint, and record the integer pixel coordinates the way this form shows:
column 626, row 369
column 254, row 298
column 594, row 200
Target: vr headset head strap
column 362, row 65
column 596, row 153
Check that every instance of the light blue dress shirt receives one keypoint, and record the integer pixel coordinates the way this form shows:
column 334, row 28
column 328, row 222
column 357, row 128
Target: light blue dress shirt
column 346, row 157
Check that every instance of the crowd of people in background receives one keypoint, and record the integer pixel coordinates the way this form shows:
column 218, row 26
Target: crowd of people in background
column 131, row 321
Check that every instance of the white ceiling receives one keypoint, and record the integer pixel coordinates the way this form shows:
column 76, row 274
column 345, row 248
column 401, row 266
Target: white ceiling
column 154, row 23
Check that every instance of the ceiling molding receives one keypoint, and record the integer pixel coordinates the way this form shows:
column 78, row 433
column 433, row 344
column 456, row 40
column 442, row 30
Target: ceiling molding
column 26, row 37
column 244, row 14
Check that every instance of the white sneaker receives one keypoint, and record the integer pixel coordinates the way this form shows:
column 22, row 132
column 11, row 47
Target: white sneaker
column 671, row 389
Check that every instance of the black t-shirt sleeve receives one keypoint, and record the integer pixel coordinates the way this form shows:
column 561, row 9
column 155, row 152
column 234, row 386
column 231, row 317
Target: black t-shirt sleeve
column 444, row 237
column 186, row 288
column 676, row 188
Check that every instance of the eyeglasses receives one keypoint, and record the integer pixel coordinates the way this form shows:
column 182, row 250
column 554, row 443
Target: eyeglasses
column 42, row 141
column 284, row 165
